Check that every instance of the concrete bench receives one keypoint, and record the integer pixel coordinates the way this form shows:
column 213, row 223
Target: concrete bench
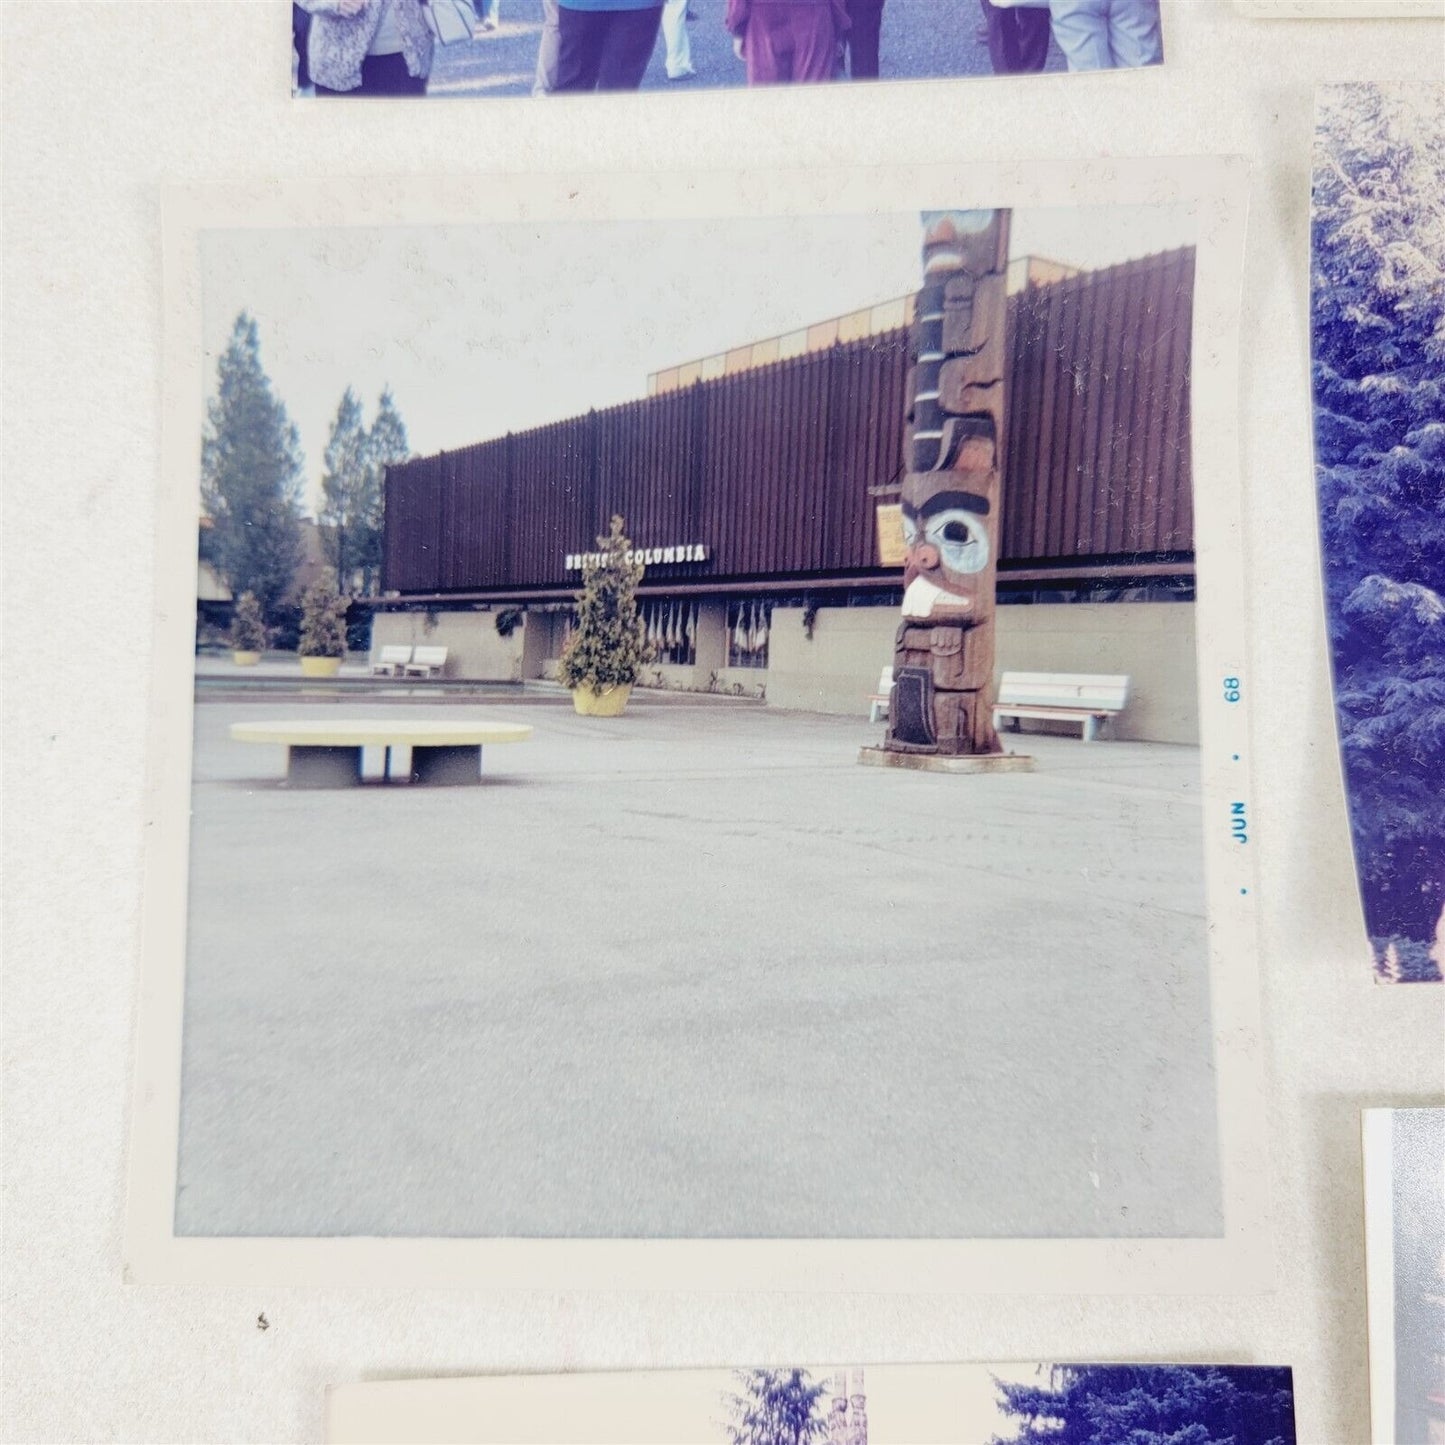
column 426, row 662
column 878, row 703
column 392, row 660
column 327, row 754
column 1061, row 696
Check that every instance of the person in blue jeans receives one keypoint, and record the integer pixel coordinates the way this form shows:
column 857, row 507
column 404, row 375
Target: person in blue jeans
column 605, row 44
column 1107, row 34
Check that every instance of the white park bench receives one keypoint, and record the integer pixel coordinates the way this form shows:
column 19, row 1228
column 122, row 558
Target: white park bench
column 1061, row 697
column 426, row 662
column 391, row 660
column 324, row 753
column 878, row 703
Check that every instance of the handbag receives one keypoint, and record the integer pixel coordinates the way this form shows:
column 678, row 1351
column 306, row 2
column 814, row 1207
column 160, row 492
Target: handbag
column 450, row 20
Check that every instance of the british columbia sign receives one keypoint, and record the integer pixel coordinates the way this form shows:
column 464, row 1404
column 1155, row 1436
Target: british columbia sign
column 648, row 556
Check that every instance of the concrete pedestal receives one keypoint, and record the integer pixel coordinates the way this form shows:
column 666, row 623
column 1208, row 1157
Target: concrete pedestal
column 323, row 767
column 946, row 762
column 446, row 765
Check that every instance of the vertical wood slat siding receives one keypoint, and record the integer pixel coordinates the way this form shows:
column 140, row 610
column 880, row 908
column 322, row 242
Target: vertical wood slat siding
column 1098, row 414
column 772, row 468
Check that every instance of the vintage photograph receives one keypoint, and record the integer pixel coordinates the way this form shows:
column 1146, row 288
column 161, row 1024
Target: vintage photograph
column 1405, row 1235
column 556, row 47
column 1378, row 340
column 685, row 761
column 1153, row 1404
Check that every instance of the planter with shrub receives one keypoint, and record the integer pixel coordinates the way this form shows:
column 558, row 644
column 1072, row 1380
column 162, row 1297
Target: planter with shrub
column 248, row 631
column 607, row 649
column 323, row 628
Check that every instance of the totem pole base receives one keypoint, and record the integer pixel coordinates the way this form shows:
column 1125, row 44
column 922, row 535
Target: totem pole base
column 947, row 762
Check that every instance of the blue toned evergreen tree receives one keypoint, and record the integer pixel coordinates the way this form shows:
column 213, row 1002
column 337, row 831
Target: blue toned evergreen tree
column 777, row 1407
column 1378, row 329
column 1151, row 1405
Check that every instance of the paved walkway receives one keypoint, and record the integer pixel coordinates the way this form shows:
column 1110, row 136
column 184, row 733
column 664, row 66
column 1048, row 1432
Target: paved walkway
column 696, row 972
column 921, row 39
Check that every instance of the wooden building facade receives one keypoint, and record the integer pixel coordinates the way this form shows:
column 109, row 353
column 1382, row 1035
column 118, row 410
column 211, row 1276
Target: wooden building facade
column 777, row 472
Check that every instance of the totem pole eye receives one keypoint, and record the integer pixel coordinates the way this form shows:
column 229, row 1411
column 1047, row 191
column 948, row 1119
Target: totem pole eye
column 961, row 539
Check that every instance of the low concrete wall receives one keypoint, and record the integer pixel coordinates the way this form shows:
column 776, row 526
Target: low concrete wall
column 1153, row 642
column 474, row 647
column 835, row 671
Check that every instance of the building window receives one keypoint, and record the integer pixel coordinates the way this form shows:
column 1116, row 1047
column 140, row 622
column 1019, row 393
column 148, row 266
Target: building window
column 748, row 626
column 671, row 629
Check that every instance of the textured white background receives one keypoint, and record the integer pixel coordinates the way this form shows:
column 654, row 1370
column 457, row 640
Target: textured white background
column 106, row 102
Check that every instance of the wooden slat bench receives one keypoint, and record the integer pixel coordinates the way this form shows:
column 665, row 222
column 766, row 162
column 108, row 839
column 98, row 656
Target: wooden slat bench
column 392, row 660
column 878, row 703
column 1080, row 697
column 327, row 754
column 426, row 662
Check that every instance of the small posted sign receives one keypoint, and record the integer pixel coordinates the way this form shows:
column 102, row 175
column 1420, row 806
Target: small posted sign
column 891, row 548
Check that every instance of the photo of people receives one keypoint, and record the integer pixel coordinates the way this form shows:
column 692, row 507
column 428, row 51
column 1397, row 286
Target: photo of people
column 486, row 48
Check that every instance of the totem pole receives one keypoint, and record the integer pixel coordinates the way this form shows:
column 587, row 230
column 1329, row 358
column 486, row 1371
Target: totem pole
column 943, row 655
column 848, row 1416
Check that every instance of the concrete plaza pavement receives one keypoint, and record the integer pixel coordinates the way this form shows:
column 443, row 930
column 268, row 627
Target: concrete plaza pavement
column 695, row 972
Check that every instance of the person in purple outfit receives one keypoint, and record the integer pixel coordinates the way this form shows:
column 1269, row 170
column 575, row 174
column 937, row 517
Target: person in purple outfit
column 787, row 41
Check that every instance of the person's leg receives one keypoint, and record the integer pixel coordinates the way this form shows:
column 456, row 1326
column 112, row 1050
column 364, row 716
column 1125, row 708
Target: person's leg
column 1000, row 37
column 545, row 80
column 769, row 45
column 300, row 40
column 579, row 47
column 1134, row 33
column 388, row 75
column 814, row 44
column 675, row 37
column 1082, row 29
column 768, row 64
column 863, row 35
column 627, row 47
column 1032, row 33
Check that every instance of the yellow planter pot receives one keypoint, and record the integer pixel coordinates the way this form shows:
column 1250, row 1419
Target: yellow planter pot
column 320, row 666
column 607, row 703
column 245, row 659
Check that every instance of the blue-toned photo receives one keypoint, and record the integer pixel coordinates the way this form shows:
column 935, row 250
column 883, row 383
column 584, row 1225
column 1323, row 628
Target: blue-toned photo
column 1378, row 314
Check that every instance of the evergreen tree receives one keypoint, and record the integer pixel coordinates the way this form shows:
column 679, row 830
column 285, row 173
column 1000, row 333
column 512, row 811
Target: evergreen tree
column 607, row 647
column 1151, row 1405
column 1378, row 323
column 250, row 477
column 323, row 619
column 344, row 487
column 248, row 630
column 386, row 444
column 776, row 1407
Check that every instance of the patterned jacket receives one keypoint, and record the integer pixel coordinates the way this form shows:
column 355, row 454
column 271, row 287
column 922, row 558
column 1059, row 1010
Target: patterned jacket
column 339, row 43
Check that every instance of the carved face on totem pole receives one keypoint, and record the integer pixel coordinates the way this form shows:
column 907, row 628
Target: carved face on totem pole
column 943, row 658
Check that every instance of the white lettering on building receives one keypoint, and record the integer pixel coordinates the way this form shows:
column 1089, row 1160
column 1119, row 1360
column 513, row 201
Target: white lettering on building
column 647, row 556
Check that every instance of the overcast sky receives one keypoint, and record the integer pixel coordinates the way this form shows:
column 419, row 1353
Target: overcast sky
column 480, row 330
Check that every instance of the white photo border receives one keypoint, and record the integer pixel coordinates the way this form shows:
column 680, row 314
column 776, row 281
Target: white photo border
column 1239, row 1261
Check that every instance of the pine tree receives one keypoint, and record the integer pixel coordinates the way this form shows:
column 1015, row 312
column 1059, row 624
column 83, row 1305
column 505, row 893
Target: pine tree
column 607, row 647
column 250, row 477
column 344, row 485
column 248, row 630
column 323, row 619
column 1378, row 324
column 776, row 1407
column 386, row 444
column 1151, row 1405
